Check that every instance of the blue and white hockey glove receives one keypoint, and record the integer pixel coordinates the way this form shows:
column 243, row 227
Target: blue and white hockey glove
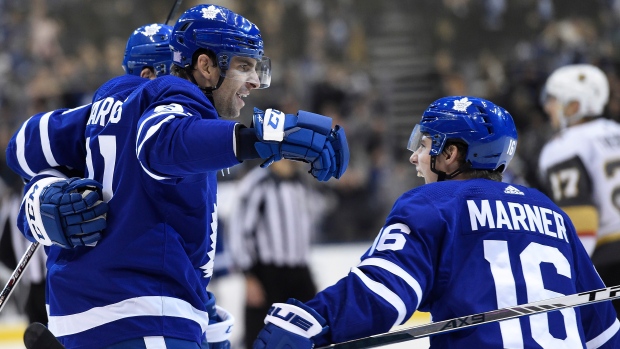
column 290, row 325
column 66, row 212
column 306, row 137
column 338, row 151
column 220, row 326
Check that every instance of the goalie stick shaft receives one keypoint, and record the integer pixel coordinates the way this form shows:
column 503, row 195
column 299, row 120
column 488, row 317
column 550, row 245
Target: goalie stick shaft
column 17, row 274
column 415, row 332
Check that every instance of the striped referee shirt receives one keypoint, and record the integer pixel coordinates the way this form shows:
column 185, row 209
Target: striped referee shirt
column 273, row 220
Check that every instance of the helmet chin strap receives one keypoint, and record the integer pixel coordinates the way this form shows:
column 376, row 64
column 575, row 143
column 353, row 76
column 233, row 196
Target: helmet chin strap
column 208, row 91
column 441, row 175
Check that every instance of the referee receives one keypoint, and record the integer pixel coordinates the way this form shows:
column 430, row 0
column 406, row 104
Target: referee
column 272, row 224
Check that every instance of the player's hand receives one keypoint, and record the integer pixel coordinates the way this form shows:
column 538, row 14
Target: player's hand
column 334, row 158
column 290, row 325
column 306, row 137
column 220, row 326
column 72, row 212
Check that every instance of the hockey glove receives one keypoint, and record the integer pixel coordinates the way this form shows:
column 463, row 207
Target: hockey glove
column 290, row 325
column 306, row 137
column 337, row 149
column 220, row 326
column 68, row 212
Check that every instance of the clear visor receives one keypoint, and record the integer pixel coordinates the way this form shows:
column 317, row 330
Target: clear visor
column 415, row 139
column 247, row 69
column 418, row 134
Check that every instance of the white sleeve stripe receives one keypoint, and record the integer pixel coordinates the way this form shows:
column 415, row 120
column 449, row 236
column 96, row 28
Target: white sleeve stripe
column 602, row 338
column 398, row 271
column 45, row 140
column 20, row 143
column 150, row 132
column 385, row 293
column 76, row 108
column 152, row 175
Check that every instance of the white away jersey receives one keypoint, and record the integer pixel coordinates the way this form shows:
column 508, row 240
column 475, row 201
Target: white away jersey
column 581, row 166
column 458, row 248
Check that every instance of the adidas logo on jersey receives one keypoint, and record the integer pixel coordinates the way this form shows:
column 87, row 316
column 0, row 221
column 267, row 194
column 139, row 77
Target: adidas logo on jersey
column 512, row 190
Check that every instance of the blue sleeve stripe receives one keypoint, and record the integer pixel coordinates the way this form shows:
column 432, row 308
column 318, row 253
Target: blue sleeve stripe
column 45, row 140
column 602, row 338
column 140, row 306
column 20, row 141
column 385, row 293
column 398, row 271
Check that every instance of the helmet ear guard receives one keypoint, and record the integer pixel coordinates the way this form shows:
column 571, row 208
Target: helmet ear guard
column 487, row 129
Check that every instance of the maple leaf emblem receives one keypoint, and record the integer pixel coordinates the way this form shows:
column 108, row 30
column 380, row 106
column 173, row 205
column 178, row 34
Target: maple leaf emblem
column 176, row 56
column 210, row 12
column 151, row 30
column 461, row 104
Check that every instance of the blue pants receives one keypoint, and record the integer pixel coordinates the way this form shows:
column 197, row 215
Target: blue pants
column 155, row 343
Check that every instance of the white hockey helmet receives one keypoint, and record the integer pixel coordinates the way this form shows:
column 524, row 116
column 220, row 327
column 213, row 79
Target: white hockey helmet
column 583, row 83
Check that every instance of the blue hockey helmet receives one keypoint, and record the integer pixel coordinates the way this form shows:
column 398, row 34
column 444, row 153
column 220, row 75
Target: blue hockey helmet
column 222, row 31
column 486, row 128
column 148, row 46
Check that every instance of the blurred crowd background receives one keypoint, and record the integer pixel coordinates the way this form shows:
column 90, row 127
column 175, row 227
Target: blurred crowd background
column 373, row 66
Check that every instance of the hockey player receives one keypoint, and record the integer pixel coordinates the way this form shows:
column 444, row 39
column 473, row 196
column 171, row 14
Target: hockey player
column 580, row 165
column 156, row 154
column 147, row 55
column 146, row 52
column 462, row 244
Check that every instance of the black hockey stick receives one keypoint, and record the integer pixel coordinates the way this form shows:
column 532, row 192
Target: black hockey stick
column 573, row 300
column 17, row 274
column 37, row 336
column 173, row 10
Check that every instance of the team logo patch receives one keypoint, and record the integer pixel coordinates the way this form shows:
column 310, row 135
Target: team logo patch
column 210, row 12
column 176, row 56
column 150, row 30
column 461, row 104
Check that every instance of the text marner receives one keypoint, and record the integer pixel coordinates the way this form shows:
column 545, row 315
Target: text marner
column 515, row 216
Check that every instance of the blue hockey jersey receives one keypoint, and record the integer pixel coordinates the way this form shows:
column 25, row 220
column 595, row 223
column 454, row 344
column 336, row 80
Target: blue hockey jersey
column 459, row 248
column 42, row 141
column 156, row 154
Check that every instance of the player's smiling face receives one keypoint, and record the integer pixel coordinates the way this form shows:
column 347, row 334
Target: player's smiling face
column 421, row 158
column 240, row 79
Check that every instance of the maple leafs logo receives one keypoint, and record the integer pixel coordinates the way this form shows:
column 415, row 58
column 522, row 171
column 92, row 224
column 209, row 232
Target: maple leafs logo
column 461, row 104
column 151, row 30
column 210, row 12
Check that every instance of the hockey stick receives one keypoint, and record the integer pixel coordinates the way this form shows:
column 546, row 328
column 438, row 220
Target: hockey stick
column 17, row 274
column 173, row 10
column 573, row 300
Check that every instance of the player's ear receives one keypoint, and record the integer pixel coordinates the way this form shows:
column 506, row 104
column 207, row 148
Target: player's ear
column 208, row 69
column 451, row 154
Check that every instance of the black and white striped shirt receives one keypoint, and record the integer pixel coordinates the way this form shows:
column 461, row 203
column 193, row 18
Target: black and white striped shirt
column 273, row 220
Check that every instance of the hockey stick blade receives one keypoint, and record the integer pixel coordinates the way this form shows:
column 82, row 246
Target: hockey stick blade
column 37, row 336
column 17, row 274
column 433, row 328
